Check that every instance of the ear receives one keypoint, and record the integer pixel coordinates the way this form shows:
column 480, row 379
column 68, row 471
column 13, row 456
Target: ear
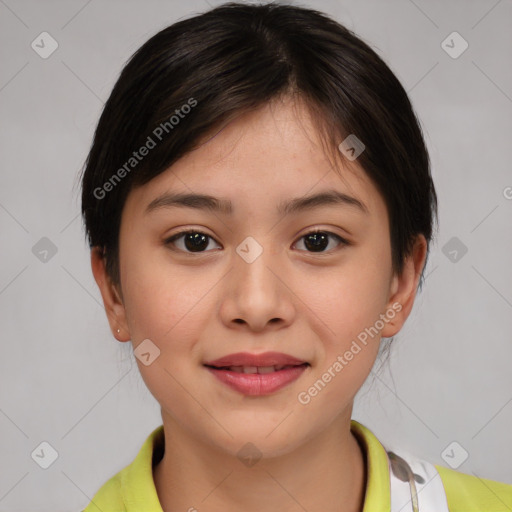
column 404, row 287
column 112, row 300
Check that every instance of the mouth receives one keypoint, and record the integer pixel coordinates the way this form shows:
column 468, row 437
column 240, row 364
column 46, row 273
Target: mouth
column 257, row 380
column 256, row 369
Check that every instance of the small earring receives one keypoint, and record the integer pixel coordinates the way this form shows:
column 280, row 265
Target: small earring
column 118, row 331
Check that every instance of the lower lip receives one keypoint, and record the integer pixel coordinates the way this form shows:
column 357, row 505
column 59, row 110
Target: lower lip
column 256, row 384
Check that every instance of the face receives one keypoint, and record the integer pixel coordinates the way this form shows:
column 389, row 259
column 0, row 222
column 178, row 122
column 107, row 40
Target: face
column 258, row 279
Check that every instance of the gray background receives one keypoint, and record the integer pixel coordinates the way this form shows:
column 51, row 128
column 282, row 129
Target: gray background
column 64, row 378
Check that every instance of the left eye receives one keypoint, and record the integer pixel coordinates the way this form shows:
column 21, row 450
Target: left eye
column 317, row 241
column 197, row 241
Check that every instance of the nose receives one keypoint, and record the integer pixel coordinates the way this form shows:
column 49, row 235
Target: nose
column 256, row 295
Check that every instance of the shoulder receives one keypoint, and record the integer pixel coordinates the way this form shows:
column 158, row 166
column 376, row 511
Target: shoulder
column 399, row 481
column 109, row 496
column 132, row 489
column 468, row 493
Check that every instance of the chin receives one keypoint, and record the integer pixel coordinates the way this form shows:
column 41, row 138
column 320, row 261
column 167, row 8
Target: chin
column 258, row 442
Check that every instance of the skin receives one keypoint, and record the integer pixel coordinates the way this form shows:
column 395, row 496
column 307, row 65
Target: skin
column 200, row 306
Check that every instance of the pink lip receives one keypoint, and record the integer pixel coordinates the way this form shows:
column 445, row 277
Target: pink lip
column 255, row 383
column 258, row 384
column 248, row 359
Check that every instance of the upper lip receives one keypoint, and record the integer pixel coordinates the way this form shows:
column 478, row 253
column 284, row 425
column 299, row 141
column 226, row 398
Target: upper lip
column 248, row 359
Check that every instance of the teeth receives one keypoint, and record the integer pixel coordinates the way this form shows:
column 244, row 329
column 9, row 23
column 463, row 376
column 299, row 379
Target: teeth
column 258, row 369
column 266, row 369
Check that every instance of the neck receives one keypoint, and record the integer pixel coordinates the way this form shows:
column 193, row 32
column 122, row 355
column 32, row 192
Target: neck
column 326, row 473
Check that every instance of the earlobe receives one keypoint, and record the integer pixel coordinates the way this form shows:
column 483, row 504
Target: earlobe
column 112, row 300
column 404, row 287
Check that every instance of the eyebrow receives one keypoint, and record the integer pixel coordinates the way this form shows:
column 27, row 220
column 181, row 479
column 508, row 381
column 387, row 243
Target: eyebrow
column 225, row 206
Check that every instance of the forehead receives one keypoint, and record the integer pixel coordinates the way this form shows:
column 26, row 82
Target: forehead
column 262, row 158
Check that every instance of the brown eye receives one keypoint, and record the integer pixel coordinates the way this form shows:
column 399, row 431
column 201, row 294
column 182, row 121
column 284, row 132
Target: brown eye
column 318, row 241
column 192, row 241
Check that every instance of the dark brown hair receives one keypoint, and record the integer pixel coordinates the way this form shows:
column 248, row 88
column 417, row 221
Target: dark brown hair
column 202, row 72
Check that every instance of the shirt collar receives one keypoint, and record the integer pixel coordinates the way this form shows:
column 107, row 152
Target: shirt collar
column 139, row 491
column 137, row 484
column 377, row 496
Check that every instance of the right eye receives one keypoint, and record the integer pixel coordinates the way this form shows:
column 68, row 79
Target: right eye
column 191, row 241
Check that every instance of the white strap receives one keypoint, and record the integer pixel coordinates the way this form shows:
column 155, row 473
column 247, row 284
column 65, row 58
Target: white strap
column 415, row 485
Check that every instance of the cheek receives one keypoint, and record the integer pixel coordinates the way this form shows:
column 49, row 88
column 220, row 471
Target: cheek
column 169, row 307
column 160, row 297
column 348, row 298
column 345, row 313
column 344, row 308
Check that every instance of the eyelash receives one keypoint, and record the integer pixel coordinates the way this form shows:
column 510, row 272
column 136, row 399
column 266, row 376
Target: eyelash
column 176, row 236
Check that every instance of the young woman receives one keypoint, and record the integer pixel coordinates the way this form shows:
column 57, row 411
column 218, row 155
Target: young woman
column 259, row 206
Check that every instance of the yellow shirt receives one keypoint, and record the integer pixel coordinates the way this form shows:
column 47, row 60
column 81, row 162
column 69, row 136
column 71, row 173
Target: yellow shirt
column 133, row 490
